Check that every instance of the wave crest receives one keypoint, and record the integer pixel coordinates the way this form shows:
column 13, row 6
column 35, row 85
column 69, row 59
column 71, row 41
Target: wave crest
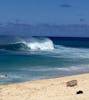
column 40, row 44
column 34, row 44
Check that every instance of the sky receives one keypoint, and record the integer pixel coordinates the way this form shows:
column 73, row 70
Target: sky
column 45, row 11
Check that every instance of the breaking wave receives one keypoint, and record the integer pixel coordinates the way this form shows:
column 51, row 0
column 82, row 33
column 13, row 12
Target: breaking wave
column 42, row 44
column 34, row 44
column 39, row 44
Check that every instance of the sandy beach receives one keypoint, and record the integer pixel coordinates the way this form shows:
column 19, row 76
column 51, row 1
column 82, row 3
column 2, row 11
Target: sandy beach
column 48, row 89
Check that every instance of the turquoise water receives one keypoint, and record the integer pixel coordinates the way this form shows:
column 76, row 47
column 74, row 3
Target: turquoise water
column 25, row 59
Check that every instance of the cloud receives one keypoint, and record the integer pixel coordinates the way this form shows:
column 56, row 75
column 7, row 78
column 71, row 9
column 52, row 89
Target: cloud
column 65, row 5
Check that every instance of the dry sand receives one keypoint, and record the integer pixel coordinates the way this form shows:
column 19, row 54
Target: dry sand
column 49, row 89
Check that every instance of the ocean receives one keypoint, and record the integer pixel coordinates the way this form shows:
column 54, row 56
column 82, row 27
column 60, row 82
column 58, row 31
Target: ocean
column 32, row 58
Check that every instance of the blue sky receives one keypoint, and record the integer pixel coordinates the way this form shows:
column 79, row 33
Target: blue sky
column 45, row 11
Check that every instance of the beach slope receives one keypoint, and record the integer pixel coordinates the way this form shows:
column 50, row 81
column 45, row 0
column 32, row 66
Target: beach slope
column 48, row 89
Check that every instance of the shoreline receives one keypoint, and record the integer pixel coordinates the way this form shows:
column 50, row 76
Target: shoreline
column 47, row 89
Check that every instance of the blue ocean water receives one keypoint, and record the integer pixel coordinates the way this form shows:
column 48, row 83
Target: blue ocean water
column 31, row 58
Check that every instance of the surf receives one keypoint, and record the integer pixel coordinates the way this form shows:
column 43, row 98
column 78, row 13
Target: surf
column 43, row 44
column 30, row 44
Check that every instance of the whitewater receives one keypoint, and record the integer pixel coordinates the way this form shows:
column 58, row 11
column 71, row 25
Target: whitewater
column 31, row 58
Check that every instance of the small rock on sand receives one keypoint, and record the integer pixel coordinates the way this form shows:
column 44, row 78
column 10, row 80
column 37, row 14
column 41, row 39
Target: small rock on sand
column 71, row 83
column 79, row 92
